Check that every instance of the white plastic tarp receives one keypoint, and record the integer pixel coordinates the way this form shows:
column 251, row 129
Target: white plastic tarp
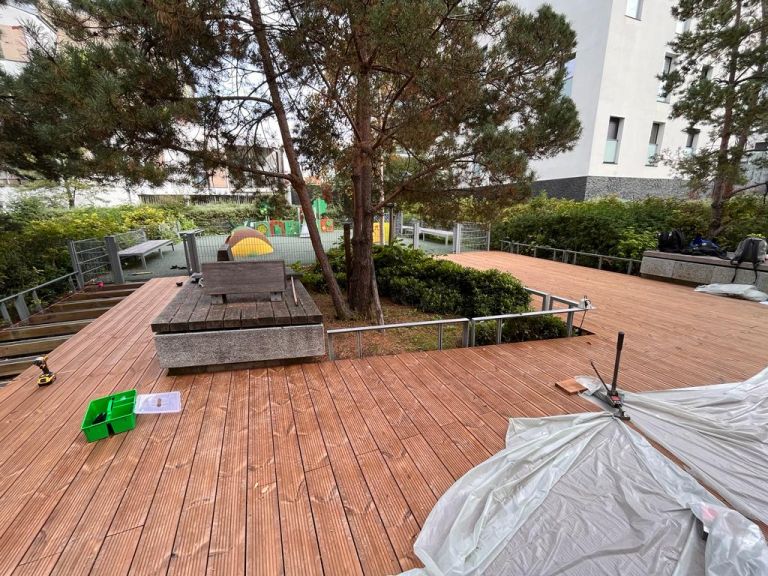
column 583, row 495
column 719, row 432
column 744, row 291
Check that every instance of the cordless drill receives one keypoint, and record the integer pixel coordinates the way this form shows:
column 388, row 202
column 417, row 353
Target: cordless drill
column 47, row 377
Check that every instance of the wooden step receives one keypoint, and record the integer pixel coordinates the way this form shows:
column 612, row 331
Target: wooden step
column 47, row 318
column 33, row 346
column 96, row 294
column 42, row 331
column 69, row 306
column 124, row 286
column 15, row 366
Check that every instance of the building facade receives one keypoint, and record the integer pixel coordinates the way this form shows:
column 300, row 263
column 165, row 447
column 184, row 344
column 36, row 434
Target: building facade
column 16, row 18
column 623, row 46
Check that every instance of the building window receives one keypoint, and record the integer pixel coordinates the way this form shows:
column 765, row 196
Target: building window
column 615, row 125
column 691, row 141
column 669, row 62
column 682, row 26
column 568, row 84
column 654, row 143
column 634, row 8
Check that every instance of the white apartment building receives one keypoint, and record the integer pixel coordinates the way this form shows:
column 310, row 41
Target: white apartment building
column 623, row 45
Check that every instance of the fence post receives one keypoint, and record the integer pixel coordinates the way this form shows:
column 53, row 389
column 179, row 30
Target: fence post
column 36, row 301
column 569, row 324
column 457, row 238
column 114, row 259
column 75, row 264
column 21, row 307
column 488, row 239
column 416, row 233
column 191, row 253
column 4, row 312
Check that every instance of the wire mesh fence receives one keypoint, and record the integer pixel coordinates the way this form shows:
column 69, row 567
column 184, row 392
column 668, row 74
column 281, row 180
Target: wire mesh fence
column 92, row 259
column 474, row 237
column 266, row 240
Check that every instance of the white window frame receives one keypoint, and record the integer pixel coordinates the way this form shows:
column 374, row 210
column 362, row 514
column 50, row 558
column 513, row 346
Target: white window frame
column 568, row 82
column 634, row 9
column 612, row 145
column 654, row 145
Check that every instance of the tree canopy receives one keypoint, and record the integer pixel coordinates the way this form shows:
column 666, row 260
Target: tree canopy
column 719, row 84
column 461, row 93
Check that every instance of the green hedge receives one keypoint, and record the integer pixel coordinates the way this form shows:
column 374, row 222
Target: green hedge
column 413, row 278
column 33, row 235
column 619, row 228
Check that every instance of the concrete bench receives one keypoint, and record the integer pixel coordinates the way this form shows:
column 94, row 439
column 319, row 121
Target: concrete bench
column 144, row 248
column 199, row 330
column 696, row 270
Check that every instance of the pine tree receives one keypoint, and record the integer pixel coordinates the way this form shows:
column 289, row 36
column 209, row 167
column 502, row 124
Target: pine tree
column 720, row 83
column 463, row 92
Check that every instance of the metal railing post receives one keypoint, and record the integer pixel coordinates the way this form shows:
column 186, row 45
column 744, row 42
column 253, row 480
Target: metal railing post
column 546, row 303
column 75, row 264
column 191, row 253
column 21, row 307
column 569, row 324
column 439, row 336
column 359, row 339
column 472, row 333
column 4, row 312
column 114, row 259
column 457, row 238
column 499, row 329
column 629, row 267
column 488, row 239
column 36, row 301
column 465, row 335
column 416, row 233
column 331, row 355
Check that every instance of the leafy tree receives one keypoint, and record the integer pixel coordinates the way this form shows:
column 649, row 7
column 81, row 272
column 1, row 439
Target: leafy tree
column 464, row 92
column 720, row 83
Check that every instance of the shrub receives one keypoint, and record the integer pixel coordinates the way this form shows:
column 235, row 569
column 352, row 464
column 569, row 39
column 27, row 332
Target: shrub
column 617, row 228
column 413, row 278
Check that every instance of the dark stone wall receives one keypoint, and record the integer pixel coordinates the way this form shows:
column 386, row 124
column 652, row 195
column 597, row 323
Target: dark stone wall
column 588, row 187
column 570, row 188
column 634, row 188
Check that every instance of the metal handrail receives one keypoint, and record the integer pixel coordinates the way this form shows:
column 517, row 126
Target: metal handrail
column 468, row 334
column 500, row 318
column 565, row 252
column 20, row 303
column 358, row 330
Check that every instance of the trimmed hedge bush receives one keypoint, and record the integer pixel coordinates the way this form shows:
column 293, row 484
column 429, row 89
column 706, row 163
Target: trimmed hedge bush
column 618, row 228
column 33, row 235
column 413, row 278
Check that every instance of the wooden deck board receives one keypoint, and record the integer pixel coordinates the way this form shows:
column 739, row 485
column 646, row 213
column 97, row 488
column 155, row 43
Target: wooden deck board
column 322, row 467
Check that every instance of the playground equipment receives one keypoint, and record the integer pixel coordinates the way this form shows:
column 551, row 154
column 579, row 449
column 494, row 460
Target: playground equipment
column 246, row 241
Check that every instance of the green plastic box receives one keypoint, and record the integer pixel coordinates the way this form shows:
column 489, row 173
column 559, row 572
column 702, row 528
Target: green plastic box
column 116, row 413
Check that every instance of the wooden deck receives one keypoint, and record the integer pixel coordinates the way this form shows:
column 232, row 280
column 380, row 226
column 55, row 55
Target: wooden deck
column 316, row 468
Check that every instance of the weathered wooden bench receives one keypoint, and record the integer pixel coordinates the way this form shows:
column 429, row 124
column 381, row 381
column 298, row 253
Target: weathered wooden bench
column 247, row 324
column 144, row 247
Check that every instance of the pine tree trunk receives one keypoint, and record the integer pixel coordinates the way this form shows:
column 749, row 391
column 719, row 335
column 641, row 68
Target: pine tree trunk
column 717, row 205
column 720, row 188
column 363, row 286
column 297, row 179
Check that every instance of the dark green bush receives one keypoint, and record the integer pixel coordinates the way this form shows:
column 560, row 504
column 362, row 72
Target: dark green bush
column 617, row 228
column 413, row 278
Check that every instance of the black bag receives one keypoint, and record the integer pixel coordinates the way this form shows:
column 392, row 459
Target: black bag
column 752, row 250
column 673, row 241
